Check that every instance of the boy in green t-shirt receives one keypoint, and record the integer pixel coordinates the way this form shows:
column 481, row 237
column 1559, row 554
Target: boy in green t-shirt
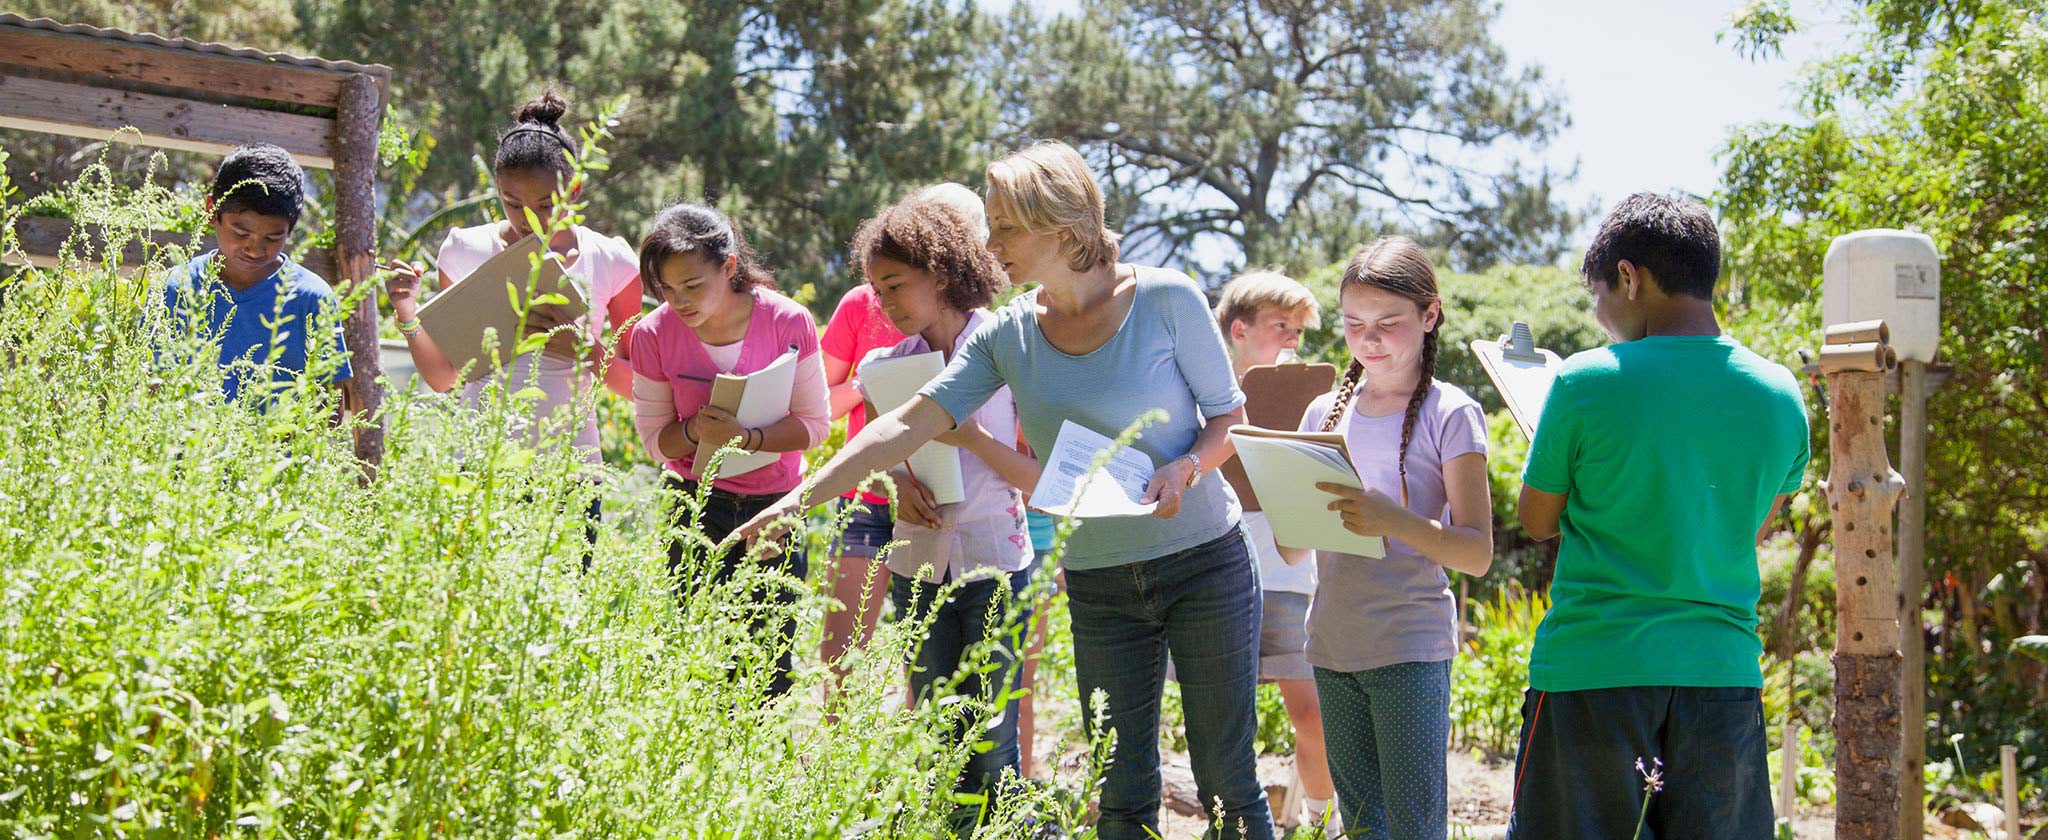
column 1658, row 459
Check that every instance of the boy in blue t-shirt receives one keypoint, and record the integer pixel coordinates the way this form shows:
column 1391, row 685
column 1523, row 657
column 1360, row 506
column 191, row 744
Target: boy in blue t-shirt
column 246, row 292
column 1657, row 459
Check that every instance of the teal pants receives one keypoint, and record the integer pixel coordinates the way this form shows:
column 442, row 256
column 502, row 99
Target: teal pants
column 1387, row 730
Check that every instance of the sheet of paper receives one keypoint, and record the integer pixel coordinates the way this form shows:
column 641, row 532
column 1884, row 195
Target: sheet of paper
column 1069, row 484
column 1285, row 468
column 894, row 381
column 1524, row 385
column 764, row 400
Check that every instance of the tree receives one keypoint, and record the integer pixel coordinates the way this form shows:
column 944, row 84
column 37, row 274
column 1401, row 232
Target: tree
column 1931, row 119
column 801, row 118
column 1292, row 128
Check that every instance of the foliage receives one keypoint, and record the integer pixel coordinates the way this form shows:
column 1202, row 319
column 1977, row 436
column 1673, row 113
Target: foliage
column 1930, row 118
column 139, row 200
column 216, row 622
column 1306, row 128
column 755, row 106
column 1488, row 679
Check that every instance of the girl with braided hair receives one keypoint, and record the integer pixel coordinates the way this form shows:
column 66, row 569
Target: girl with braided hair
column 1382, row 631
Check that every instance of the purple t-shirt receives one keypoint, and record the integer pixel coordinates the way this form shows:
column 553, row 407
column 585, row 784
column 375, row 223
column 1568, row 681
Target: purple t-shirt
column 1370, row 613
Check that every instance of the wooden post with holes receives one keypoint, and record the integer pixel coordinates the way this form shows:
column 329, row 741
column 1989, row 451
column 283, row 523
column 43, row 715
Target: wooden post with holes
column 1862, row 489
column 357, row 121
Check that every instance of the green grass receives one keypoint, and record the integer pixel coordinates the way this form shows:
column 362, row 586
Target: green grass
column 213, row 622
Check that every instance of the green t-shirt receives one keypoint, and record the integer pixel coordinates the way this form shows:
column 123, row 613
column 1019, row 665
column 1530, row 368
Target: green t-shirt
column 1671, row 451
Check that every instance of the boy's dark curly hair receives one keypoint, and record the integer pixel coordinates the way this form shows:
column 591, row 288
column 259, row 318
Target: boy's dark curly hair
column 259, row 178
column 934, row 237
column 1673, row 238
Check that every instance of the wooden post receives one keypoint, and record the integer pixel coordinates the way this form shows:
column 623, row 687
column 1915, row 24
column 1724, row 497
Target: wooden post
column 2009, row 776
column 355, row 235
column 1788, row 772
column 1912, row 592
column 1862, row 489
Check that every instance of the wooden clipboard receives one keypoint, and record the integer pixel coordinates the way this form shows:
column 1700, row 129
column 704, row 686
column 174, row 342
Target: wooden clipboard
column 460, row 315
column 1276, row 397
column 1521, row 372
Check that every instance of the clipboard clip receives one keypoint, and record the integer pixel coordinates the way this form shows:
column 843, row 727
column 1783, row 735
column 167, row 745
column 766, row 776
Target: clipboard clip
column 1520, row 345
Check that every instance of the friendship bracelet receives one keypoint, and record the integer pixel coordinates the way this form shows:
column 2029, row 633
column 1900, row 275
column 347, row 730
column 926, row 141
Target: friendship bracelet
column 409, row 328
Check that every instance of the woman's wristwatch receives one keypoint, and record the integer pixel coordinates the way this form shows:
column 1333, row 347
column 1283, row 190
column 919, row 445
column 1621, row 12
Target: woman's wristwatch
column 1195, row 477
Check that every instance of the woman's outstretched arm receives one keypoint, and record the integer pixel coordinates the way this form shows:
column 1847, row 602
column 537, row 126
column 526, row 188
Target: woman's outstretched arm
column 884, row 443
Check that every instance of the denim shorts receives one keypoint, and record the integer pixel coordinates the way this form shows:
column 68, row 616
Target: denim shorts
column 1283, row 637
column 867, row 530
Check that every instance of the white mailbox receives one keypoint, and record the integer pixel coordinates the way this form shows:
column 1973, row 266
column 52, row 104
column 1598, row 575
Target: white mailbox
column 1890, row 274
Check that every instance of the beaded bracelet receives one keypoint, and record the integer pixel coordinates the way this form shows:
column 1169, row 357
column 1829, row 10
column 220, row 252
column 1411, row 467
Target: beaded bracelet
column 409, row 328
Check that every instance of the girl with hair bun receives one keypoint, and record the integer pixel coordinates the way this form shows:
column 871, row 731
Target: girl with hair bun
column 531, row 165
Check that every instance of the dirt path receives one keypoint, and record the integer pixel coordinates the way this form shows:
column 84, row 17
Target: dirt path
column 1480, row 793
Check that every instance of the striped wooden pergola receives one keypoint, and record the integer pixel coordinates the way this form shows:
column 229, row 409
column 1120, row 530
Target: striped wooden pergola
column 95, row 82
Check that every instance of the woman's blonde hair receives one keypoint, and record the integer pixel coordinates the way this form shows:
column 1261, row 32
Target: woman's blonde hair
column 1047, row 188
column 1253, row 292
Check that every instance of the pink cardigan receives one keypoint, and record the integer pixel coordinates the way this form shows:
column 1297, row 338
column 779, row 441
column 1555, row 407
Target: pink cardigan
column 673, row 372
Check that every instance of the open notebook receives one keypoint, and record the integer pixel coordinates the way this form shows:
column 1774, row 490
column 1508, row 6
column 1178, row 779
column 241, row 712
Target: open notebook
column 757, row 399
column 1284, row 468
column 891, row 382
column 1521, row 371
column 460, row 316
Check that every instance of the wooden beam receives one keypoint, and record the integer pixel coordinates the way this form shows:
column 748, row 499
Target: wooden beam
column 42, row 239
column 165, row 122
column 205, row 73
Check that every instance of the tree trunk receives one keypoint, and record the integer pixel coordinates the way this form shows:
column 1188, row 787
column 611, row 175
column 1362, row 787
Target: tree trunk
column 355, row 237
column 1862, row 489
column 1786, row 623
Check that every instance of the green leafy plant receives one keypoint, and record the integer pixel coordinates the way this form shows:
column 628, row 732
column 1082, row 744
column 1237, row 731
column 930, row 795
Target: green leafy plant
column 1488, row 678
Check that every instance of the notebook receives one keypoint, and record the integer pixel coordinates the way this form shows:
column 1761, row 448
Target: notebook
column 1284, row 468
column 891, row 382
column 758, row 399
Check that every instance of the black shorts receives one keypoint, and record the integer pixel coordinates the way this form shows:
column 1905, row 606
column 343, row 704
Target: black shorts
column 1576, row 776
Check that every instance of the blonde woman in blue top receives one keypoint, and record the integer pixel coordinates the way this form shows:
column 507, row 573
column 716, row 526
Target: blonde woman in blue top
column 1181, row 580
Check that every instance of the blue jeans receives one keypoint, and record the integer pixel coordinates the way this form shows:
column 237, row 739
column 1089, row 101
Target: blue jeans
column 1386, row 730
column 959, row 624
column 1203, row 604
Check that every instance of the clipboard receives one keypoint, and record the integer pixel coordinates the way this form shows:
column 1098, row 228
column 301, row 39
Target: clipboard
column 1521, row 371
column 459, row 316
column 1276, row 397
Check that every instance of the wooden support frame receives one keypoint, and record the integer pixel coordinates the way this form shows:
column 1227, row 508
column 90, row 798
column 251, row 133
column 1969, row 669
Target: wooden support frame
column 95, row 113
column 174, row 93
column 143, row 64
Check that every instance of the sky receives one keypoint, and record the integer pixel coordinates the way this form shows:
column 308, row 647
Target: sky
column 1652, row 96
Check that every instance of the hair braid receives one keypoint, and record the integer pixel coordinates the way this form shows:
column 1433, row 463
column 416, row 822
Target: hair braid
column 1345, row 390
column 1425, row 378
